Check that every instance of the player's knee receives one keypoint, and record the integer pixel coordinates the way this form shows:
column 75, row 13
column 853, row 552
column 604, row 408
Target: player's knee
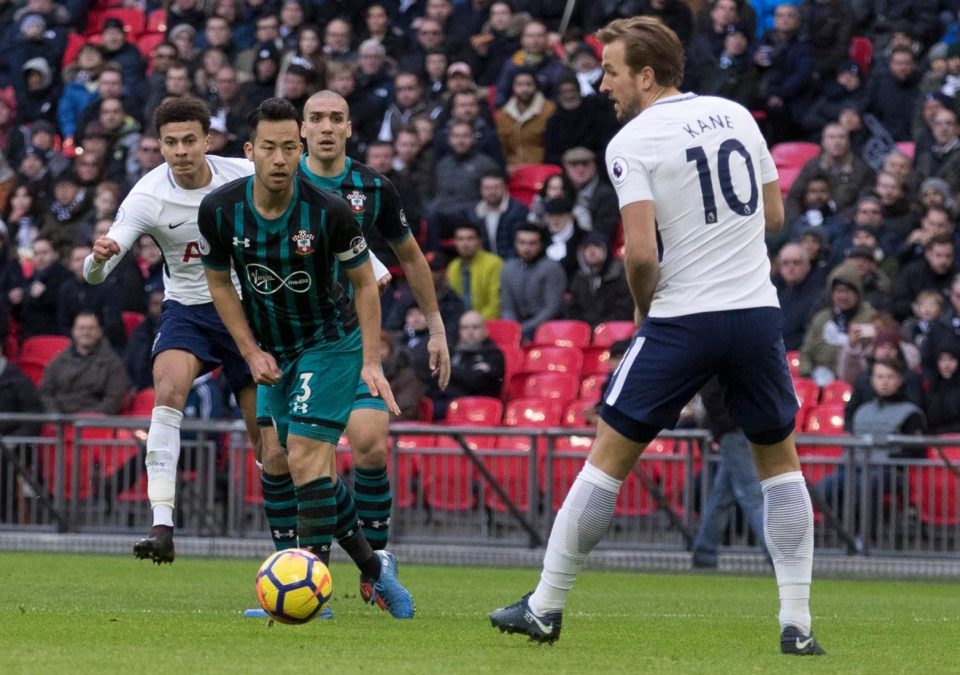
column 370, row 452
column 170, row 392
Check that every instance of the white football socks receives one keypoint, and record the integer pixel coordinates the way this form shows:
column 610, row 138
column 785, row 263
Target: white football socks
column 580, row 525
column 788, row 529
column 163, row 453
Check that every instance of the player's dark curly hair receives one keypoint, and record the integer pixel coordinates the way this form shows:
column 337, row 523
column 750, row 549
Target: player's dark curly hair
column 182, row 109
column 272, row 110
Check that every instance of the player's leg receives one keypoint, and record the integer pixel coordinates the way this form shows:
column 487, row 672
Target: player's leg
column 279, row 495
column 368, row 430
column 174, row 371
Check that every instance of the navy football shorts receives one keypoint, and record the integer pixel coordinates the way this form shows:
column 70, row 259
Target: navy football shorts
column 670, row 359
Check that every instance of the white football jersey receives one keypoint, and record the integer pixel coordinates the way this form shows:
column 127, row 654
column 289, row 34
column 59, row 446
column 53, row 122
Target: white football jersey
column 703, row 162
column 159, row 207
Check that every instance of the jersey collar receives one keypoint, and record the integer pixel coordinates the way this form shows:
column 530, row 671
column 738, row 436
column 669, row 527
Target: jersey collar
column 326, row 182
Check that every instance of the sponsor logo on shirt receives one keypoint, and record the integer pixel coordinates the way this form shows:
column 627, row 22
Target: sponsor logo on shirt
column 267, row 282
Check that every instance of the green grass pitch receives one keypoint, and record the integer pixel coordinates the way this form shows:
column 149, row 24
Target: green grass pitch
column 112, row 614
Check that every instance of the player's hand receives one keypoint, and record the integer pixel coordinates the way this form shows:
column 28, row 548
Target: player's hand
column 372, row 376
column 383, row 283
column 105, row 248
column 439, row 359
column 263, row 368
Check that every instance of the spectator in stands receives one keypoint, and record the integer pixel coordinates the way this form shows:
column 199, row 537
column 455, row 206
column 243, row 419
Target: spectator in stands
column 733, row 75
column 124, row 137
column 366, row 108
column 185, row 12
column 23, row 216
column 34, row 174
column 927, row 310
column 943, row 329
column 80, row 85
column 375, row 72
column 844, row 90
column 476, row 365
column 266, row 66
column 497, row 41
column 817, row 210
column 457, row 176
column 76, row 110
column 475, row 274
column 798, row 291
column 308, row 54
column 577, row 122
column 594, row 194
column 451, row 306
column 42, row 135
column 871, row 342
column 497, row 216
column 674, row 13
column 827, row 332
column 876, row 284
column 563, row 234
column 935, row 271
column 880, row 20
column 892, row 95
column 137, row 354
column 267, row 36
column 377, row 26
column 534, row 55
column 407, row 387
column 557, row 185
column 88, row 376
column 39, row 92
column 936, row 222
column 936, row 192
column 785, row 61
column 72, row 204
column 849, row 175
column 292, row 16
column 176, row 83
column 76, row 296
column 216, row 35
column 522, row 121
column 828, row 25
column 428, row 36
column 942, row 159
column 922, row 129
column 379, row 157
column 17, row 395
column 532, row 285
column 408, row 101
column 127, row 56
column 943, row 397
column 413, row 162
column 708, row 37
column 599, row 290
column 464, row 107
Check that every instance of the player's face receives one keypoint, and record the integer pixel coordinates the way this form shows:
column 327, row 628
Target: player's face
column 326, row 126
column 275, row 152
column 183, row 145
column 619, row 83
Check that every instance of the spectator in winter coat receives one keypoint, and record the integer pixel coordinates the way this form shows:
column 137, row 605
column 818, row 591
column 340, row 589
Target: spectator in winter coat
column 532, row 285
column 476, row 365
column 599, row 290
column 943, row 397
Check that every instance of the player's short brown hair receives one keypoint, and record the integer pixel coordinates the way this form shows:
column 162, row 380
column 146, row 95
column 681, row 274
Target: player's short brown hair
column 182, row 109
column 648, row 42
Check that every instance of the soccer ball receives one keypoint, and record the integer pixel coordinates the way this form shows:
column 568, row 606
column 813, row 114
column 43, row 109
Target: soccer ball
column 293, row 586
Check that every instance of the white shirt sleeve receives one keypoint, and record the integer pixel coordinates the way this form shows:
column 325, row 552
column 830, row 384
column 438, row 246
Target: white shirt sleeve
column 629, row 173
column 379, row 269
column 137, row 215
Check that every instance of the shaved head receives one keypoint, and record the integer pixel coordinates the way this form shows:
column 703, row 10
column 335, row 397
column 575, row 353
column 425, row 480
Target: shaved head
column 325, row 96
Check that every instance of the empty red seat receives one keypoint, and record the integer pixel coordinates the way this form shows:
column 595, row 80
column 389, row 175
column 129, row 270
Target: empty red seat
column 408, row 462
column 553, row 359
column 563, row 334
column 504, row 332
column 533, row 412
column 935, row 491
column 43, row 348
column 793, row 363
column 605, row 334
column 837, row 392
column 560, row 386
column 147, row 42
column 134, row 21
column 130, row 321
column 788, row 176
column 596, row 360
column 794, row 154
column 528, row 179
column 143, row 403
column 824, row 420
column 574, row 415
column 157, row 21
column 513, row 358
column 481, row 411
column 592, row 387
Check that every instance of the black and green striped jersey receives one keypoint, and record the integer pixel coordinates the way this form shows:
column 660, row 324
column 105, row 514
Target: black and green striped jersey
column 375, row 203
column 286, row 266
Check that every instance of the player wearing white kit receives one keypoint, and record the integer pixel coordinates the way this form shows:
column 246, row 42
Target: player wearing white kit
column 191, row 338
column 697, row 189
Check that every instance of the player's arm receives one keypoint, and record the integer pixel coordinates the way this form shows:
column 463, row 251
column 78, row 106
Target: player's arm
column 641, row 261
column 418, row 273
column 367, row 300
column 773, row 206
column 136, row 215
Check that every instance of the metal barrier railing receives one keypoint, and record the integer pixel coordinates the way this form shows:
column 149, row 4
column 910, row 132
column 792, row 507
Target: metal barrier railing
column 479, row 485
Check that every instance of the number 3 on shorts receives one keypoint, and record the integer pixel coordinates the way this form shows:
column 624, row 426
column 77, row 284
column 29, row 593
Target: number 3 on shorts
column 300, row 400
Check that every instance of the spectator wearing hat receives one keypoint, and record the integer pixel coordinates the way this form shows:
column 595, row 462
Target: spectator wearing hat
column 844, row 89
column 34, row 39
column 451, row 306
column 127, row 56
column 534, row 56
column 935, row 271
column 41, row 140
column 828, row 25
column 598, row 289
column 827, row 332
column 875, row 283
column 586, row 66
column 943, row 395
column 531, row 285
column 497, row 41
column 891, row 96
column 936, row 192
column 849, row 175
column 577, row 122
column 36, row 98
column 35, row 303
column 475, row 274
column 266, row 68
column 72, row 204
column 593, row 194
column 522, row 121
column 563, row 234
column 497, row 215
column 733, row 75
column 866, row 236
column 798, row 291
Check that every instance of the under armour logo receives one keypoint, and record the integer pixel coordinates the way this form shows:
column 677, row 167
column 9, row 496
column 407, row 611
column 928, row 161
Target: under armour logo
column 377, row 524
column 267, row 282
column 300, row 408
column 237, row 241
column 284, row 534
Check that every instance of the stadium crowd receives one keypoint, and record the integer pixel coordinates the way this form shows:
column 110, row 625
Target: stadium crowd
column 491, row 124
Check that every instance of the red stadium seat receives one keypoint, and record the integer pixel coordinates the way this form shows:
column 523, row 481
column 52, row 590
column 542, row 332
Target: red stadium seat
column 533, row 412
column 134, row 21
column 480, row 411
column 147, row 42
column 574, row 414
column 157, row 21
column 807, row 392
column 513, row 375
column 77, row 469
column 788, row 175
column 511, row 472
column 425, row 410
column 553, row 359
column 43, row 348
column 504, row 332
column 824, row 420
column 605, row 334
column 563, row 334
column 404, row 493
column 130, row 321
column 143, row 403
column 75, row 42
column 596, row 361
column 861, row 53
column 592, row 387
column 560, row 386
column 935, row 491
column 794, row 154
column 793, row 363
column 527, row 180
column 837, row 392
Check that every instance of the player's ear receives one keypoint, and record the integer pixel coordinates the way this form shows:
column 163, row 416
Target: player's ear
column 349, row 128
column 248, row 150
column 206, row 142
